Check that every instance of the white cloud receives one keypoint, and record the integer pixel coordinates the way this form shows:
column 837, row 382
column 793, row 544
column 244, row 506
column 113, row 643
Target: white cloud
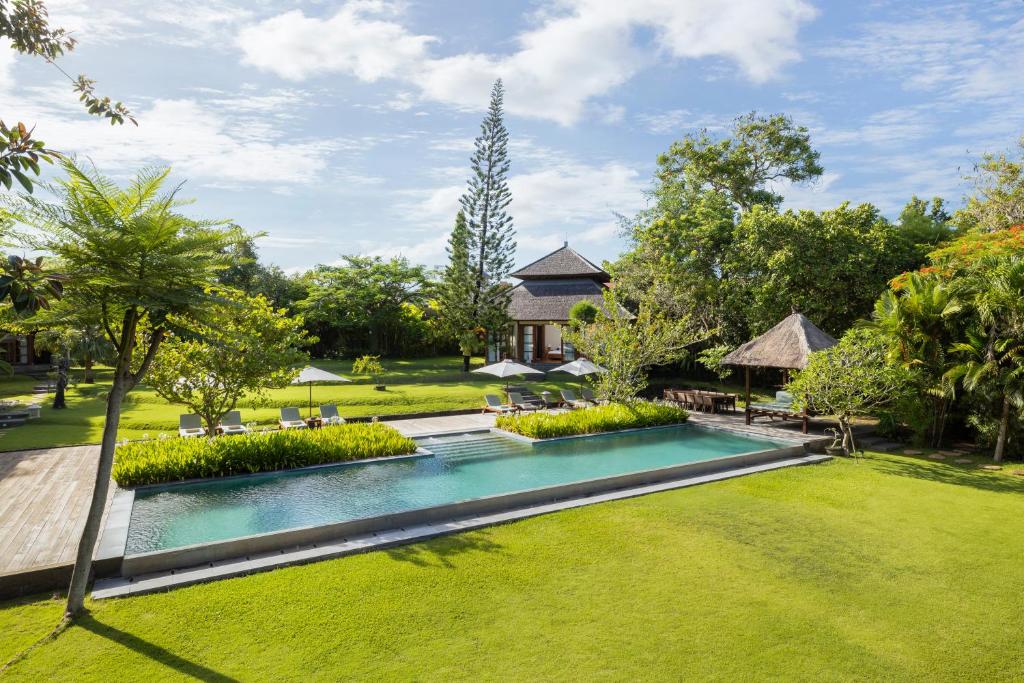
column 885, row 128
column 7, row 56
column 558, row 201
column 219, row 140
column 356, row 40
column 941, row 48
column 580, row 50
column 672, row 121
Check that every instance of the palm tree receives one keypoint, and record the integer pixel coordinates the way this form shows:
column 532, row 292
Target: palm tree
column 918, row 320
column 131, row 254
column 992, row 359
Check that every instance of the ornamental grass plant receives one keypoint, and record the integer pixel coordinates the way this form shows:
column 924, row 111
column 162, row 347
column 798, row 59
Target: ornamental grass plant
column 603, row 418
column 165, row 460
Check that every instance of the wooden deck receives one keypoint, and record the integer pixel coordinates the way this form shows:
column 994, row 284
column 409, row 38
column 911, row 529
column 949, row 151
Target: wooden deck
column 44, row 498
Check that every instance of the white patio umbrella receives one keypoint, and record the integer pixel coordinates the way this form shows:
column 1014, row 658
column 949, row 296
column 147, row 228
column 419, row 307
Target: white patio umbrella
column 309, row 374
column 580, row 367
column 507, row 368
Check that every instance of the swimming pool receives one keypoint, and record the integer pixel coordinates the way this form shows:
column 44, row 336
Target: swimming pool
column 461, row 467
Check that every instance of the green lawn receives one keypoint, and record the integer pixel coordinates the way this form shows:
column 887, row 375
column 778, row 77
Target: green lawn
column 890, row 568
column 421, row 385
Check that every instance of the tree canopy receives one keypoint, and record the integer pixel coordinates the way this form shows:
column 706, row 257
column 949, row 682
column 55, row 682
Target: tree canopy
column 242, row 347
column 131, row 251
column 760, row 151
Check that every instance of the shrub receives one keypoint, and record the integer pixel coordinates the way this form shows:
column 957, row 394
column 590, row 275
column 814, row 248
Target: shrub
column 154, row 462
column 605, row 418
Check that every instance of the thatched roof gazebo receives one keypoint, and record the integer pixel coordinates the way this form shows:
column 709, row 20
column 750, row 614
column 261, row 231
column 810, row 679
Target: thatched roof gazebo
column 785, row 346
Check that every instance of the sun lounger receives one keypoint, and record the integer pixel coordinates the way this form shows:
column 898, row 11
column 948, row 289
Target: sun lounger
column 231, row 423
column 290, row 419
column 781, row 407
column 516, row 399
column 494, row 405
column 783, row 402
column 588, row 395
column 329, row 415
column 190, row 425
column 569, row 397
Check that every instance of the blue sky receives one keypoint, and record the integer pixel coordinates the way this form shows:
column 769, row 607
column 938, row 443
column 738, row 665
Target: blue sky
column 346, row 127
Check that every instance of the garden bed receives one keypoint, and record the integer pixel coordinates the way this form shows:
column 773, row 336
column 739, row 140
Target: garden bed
column 594, row 420
column 166, row 460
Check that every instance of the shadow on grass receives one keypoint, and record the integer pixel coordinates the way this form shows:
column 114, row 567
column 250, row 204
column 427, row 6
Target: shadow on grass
column 154, row 652
column 439, row 551
column 948, row 473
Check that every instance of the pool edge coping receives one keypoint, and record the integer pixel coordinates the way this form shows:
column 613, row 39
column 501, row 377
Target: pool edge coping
column 215, row 551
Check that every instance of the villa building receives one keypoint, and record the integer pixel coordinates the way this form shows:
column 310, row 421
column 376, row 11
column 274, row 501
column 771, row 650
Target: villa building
column 540, row 304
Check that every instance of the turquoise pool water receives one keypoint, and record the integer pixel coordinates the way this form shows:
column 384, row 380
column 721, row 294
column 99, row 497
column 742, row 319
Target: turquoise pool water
column 462, row 467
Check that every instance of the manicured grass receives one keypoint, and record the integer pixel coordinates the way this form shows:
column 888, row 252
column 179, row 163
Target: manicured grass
column 413, row 386
column 593, row 420
column 890, row 568
column 163, row 460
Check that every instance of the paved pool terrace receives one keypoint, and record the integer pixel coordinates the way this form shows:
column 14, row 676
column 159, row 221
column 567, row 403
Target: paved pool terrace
column 164, row 568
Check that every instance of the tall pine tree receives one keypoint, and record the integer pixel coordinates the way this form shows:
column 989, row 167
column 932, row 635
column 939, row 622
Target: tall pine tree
column 482, row 247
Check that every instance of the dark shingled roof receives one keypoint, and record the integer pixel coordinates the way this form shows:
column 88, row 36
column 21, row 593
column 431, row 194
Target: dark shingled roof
column 551, row 299
column 786, row 345
column 561, row 263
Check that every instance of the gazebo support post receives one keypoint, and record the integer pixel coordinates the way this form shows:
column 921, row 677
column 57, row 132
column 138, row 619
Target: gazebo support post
column 746, row 372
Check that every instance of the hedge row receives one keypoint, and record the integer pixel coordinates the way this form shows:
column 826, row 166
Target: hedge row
column 164, row 460
column 603, row 418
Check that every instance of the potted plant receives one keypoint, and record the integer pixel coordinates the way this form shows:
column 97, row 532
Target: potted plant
column 370, row 365
column 836, row 447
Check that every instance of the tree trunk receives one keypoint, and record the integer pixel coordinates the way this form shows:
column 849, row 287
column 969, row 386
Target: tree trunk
column 465, row 363
column 59, row 400
column 88, row 379
column 124, row 381
column 1004, row 425
column 90, row 534
column 844, row 427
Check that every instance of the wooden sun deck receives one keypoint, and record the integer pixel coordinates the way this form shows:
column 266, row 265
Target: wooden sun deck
column 44, row 498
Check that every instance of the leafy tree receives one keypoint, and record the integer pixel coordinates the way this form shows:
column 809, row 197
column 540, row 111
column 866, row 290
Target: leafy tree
column 131, row 251
column 363, row 304
column 991, row 358
column 998, row 199
column 925, row 225
column 455, row 292
column 72, row 328
column 760, row 151
column 583, row 313
column 678, row 261
column 711, row 358
column 25, row 24
column 854, row 378
column 240, row 347
column 830, row 265
column 627, row 346
column 369, row 365
column 248, row 275
column 482, row 245
column 918, row 321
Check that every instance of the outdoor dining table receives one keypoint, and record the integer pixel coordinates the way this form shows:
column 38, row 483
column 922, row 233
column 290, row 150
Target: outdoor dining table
column 720, row 401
